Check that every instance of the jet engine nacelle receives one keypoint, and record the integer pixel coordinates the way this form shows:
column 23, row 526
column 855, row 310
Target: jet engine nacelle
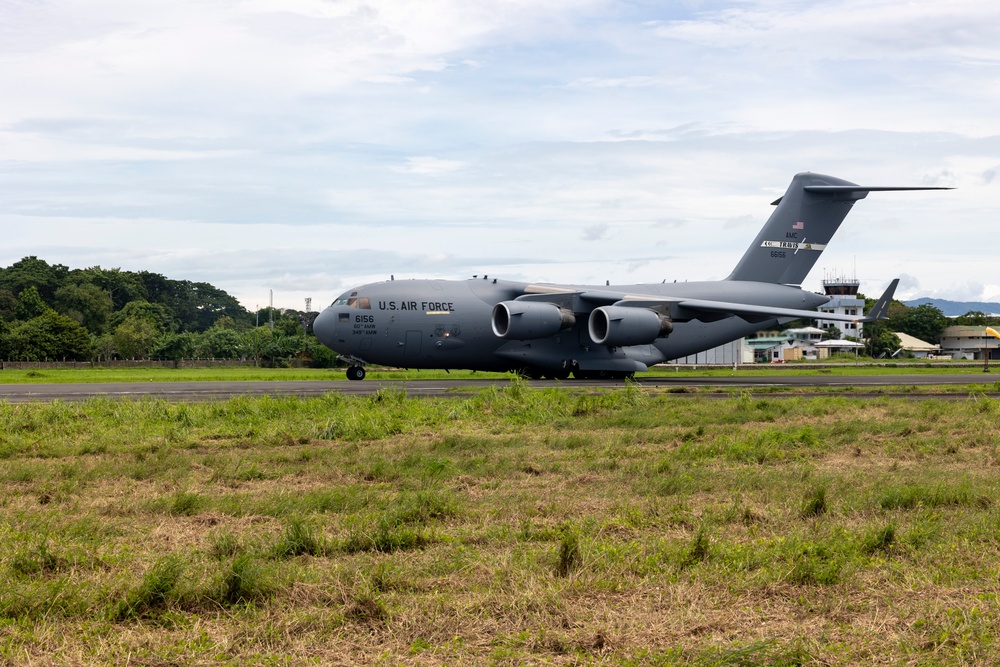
column 527, row 320
column 620, row 326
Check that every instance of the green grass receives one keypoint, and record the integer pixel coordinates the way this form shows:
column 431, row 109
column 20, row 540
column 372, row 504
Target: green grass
column 516, row 525
column 376, row 373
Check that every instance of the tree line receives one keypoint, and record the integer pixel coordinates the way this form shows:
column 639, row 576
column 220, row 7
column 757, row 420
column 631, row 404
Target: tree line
column 49, row 312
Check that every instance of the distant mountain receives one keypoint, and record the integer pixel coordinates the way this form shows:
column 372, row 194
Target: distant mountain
column 956, row 308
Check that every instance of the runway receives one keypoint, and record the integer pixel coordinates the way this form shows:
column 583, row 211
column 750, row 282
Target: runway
column 207, row 391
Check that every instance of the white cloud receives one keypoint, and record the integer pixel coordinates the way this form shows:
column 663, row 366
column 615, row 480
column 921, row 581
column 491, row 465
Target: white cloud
column 429, row 166
column 621, row 82
column 849, row 29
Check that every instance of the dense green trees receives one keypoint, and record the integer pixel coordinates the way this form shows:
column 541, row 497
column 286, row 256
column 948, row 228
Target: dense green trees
column 34, row 272
column 880, row 339
column 52, row 312
column 925, row 322
column 86, row 303
column 29, row 304
column 49, row 336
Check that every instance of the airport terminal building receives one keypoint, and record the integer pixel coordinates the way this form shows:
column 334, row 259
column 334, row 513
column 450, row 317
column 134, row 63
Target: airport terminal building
column 969, row 342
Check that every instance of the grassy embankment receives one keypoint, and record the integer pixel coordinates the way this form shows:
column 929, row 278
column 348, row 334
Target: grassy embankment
column 617, row 527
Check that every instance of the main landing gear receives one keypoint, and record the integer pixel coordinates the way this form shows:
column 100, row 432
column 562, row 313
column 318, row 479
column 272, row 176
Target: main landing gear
column 356, row 373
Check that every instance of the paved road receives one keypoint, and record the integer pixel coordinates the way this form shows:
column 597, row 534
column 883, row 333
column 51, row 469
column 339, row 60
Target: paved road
column 200, row 391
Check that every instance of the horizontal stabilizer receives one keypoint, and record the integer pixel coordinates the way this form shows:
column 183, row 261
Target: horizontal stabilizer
column 860, row 191
column 838, row 189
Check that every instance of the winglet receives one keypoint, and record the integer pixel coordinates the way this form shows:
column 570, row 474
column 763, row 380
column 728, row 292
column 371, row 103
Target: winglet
column 881, row 307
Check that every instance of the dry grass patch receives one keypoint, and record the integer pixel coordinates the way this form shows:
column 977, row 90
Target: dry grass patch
column 519, row 525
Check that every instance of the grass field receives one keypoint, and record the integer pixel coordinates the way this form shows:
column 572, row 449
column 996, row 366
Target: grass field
column 250, row 373
column 520, row 525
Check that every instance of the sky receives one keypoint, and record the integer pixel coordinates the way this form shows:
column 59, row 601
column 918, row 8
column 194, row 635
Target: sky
column 304, row 147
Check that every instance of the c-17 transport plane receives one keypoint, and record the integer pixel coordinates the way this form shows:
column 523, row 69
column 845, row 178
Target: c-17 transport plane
column 608, row 331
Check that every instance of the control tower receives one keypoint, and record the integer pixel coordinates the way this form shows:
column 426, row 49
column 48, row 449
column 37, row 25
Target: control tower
column 844, row 300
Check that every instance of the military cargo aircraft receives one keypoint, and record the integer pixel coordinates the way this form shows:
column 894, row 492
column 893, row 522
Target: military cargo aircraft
column 608, row 331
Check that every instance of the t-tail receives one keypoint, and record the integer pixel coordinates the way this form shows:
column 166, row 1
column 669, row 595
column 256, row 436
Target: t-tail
column 801, row 226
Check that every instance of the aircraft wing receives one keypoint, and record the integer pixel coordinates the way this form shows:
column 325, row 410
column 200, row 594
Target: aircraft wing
column 698, row 309
column 681, row 308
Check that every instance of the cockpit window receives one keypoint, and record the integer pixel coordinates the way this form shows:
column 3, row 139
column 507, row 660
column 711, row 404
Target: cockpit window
column 363, row 303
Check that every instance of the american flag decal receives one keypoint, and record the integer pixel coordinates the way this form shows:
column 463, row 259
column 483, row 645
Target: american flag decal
column 799, row 225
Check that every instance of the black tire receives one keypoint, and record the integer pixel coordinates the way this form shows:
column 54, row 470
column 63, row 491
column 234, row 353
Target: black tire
column 356, row 373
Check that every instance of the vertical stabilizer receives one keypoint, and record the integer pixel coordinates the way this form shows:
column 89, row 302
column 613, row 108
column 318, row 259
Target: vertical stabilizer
column 797, row 231
column 805, row 220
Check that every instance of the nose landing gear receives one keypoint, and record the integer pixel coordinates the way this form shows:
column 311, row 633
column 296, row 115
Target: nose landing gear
column 355, row 373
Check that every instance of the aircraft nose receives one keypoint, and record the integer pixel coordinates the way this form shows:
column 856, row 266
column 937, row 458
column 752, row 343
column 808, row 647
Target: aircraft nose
column 325, row 327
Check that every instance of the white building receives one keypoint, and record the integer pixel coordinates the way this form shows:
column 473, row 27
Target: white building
column 844, row 300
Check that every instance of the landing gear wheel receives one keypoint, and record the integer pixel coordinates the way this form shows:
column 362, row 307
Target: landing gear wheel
column 356, row 373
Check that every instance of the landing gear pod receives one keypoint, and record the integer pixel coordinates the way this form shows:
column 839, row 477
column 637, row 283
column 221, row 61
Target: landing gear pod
column 620, row 326
column 528, row 320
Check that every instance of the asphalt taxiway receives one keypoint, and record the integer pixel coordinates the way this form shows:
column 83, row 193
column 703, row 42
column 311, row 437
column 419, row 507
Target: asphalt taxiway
column 206, row 391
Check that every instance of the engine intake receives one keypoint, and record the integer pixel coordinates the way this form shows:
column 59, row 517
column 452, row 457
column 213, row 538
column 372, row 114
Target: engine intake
column 527, row 320
column 621, row 326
